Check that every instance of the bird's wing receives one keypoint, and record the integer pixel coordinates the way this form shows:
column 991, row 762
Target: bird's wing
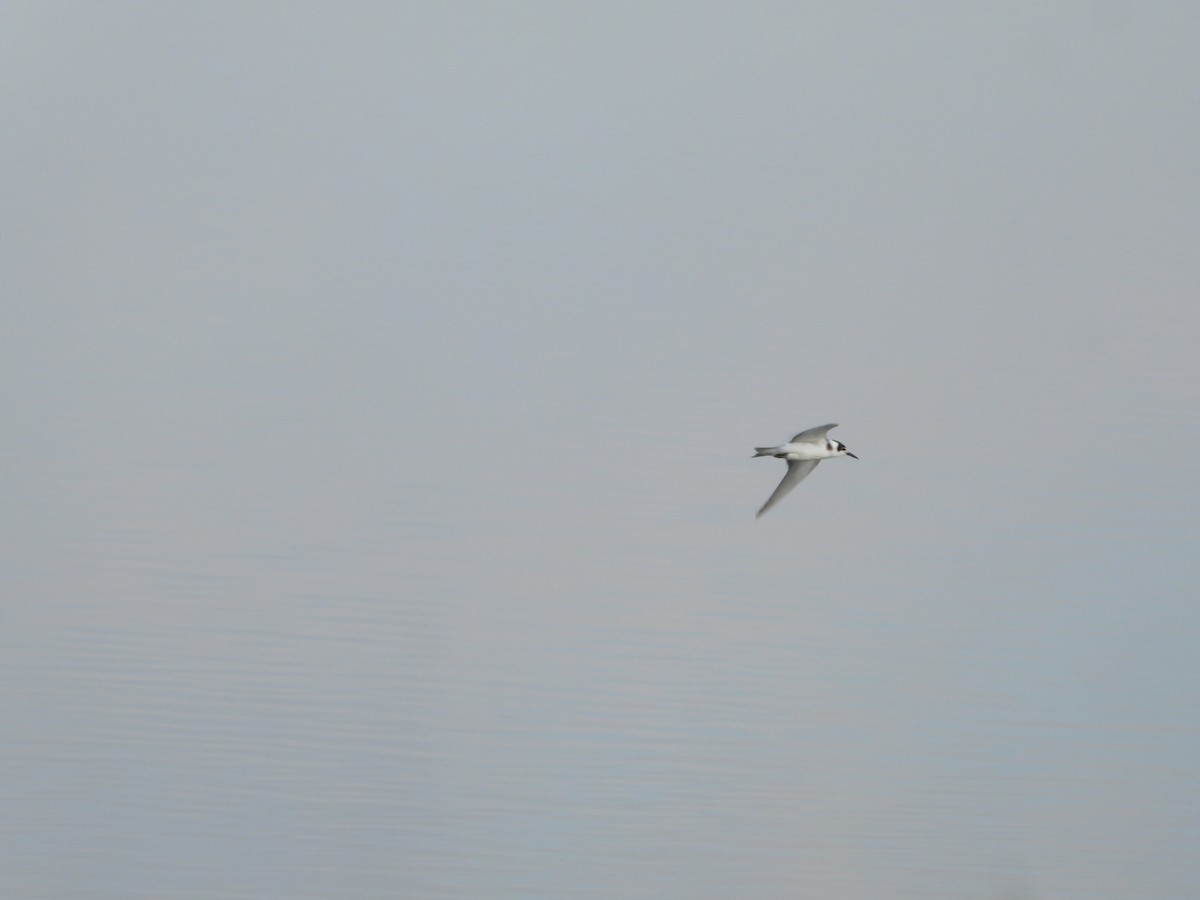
column 798, row 469
column 814, row 434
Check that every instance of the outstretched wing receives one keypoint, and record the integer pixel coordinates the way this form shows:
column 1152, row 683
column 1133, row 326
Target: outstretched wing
column 798, row 470
column 814, row 434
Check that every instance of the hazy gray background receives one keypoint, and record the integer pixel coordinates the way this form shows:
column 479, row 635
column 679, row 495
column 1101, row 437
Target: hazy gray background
column 380, row 383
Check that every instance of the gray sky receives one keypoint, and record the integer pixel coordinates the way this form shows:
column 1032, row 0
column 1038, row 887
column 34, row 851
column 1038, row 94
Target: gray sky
column 496, row 299
column 582, row 239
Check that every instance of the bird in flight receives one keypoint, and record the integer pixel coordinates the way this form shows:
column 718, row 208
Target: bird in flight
column 802, row 453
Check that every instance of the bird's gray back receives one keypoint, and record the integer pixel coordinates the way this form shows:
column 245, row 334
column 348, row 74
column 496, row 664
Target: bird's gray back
column 814, row 434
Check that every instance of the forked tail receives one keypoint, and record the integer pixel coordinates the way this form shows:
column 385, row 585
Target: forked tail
column 763, row 451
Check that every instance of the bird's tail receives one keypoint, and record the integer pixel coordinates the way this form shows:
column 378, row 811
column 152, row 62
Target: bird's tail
column 763, row 451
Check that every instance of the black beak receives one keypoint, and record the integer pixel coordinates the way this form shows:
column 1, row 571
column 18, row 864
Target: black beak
column 848, row 453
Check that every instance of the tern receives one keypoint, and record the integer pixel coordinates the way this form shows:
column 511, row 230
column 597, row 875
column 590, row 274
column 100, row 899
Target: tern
column 802, row 453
